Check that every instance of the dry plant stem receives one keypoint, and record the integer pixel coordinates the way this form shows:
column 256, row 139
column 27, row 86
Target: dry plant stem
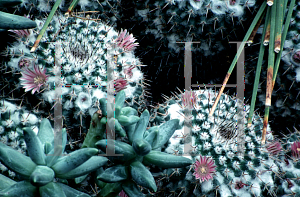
column 38, row 39
column 251, row 38
column 259, row 14
column 267, row 35
column 271, row 59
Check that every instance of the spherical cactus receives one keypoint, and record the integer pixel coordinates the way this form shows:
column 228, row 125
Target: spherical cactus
column 87, row 49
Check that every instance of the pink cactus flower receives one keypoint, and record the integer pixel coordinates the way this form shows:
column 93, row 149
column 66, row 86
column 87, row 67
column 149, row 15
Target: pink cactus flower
column 122, row 194
column 189, row 97
column 33, row 79
column 295, row 149
column 204, row 169
column 128, row 71
column 274, row 148
column 126, row 41
column 24, row 62
column 120, row 84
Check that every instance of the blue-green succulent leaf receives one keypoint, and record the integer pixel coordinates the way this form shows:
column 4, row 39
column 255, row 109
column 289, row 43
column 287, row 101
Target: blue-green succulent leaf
column 125, row 121
column 153, row 138
column 42, row 175
column 114, row 174
column 11, row 21
column 165, row 160
column 166, row 130
column 120, row 148
column 69, row 191
column 142, row 176
column 103, row 106
column 47, row 148
column 73, row 160
column 120, row 99
column 110, row 190
column 131, row 189
column 6, row 182
column 141, row 147
column 90, row 165
column 141, row 125
column 53, row 155
column 118, row 127
column 21, row 189
column 16, row 161
column 51, row 189
column 46, row 133
column 80, row 179
column 34, row 146
column 128, row 111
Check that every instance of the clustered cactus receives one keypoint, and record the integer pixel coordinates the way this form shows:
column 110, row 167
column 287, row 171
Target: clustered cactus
column 84, row 42
column 221, row 170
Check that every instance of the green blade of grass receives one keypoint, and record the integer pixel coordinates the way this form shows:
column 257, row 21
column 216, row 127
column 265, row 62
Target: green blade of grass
column 258, row 68
column 36, row 43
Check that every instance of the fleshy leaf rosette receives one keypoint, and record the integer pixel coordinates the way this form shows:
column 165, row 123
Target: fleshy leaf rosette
column 45, row 163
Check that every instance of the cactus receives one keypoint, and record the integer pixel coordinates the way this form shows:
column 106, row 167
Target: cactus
column 216, row 139
column 44, row 164
column 141, row 147
column 90, row 48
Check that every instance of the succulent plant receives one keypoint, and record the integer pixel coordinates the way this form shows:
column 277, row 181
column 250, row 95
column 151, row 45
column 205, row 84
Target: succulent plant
column 141, row 147
column 45, row 164
column 11, row 21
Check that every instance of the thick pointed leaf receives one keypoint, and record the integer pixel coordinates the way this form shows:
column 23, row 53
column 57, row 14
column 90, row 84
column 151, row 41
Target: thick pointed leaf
column 51, row 189
column 80, row 179
column 46, row 133
column 53, row 156
column 69, row 191
column 114, row 174
column 118, row 128
column 153, row 138
column 42, row 175
column 131, row 189
column 141, row 147
column 141, row 125
column 103, row 106
column 95, row 132
column 120, row 148
column 166, row 130
column 142, row 176
column 125, row 121
column 90, row 165
column 165, row 160
column 73, row 160
column 110, row 190
column 22, row 189
column 6, row 182
column 120, row 99
column 11, row 21
column 128, row 111
column 16, row 161
column 34, row 146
